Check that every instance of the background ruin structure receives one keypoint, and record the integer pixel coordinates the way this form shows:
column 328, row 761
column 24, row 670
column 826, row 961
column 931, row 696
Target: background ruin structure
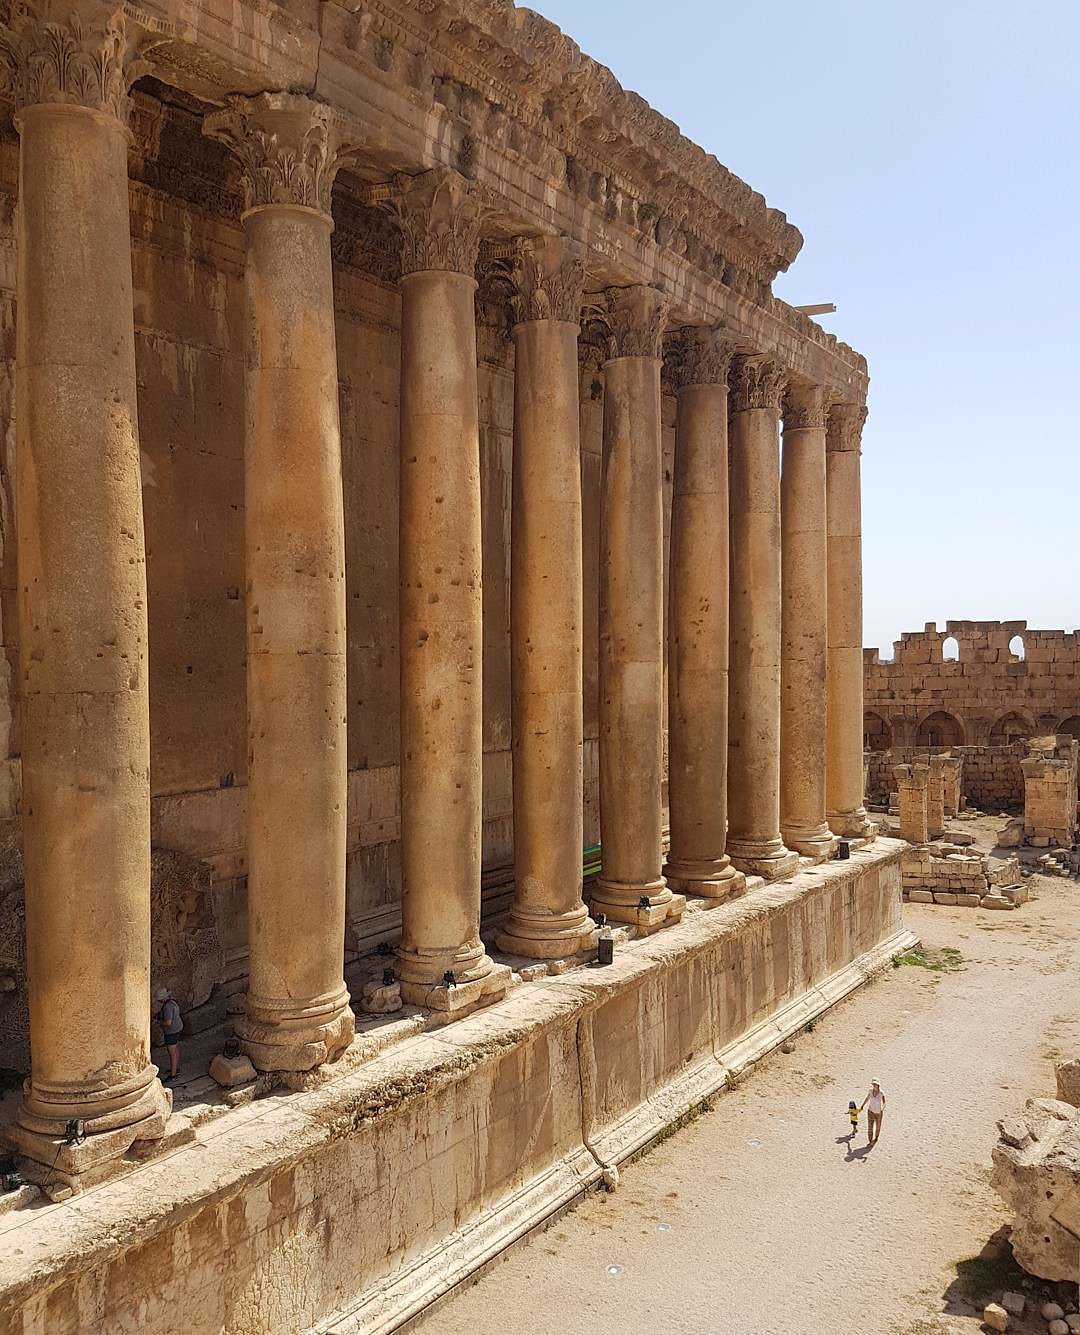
column 372, row 379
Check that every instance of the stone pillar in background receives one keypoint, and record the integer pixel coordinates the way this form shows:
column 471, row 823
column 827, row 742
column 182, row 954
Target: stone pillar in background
column 1050, row 784
column 547, row 917
column 846, row 812
column 82, row 601
column 698, row 624
column 441, row 619
column 631, row 887
column 754, row 840
column 951, row 784
column 298, row 1013
column 804, row 651
column 912, row 782
column 935, row 798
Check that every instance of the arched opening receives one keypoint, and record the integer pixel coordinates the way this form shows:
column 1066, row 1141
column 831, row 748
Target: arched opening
column 877, row 735
column 1010, row 727
column 1016, row 647
column 1070, row 726
column 950, row 650
column 940, row 729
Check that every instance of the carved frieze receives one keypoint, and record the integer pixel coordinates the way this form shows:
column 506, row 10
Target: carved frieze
column 845, row 426
column 805, row 406
column 699, row 356
column 76, row 52
column 290, row 147
column 756, row 382
column 440, row 214
column 635, row 319
column 549, row 277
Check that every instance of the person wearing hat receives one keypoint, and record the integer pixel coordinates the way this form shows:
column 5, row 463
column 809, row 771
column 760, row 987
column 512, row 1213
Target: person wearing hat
column 875, row 1105
column 172, row 1026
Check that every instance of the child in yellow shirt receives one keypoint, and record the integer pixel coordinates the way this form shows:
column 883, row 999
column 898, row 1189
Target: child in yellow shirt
column 853, row 1116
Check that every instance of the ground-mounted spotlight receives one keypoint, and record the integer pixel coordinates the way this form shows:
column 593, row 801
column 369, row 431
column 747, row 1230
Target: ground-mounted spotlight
column 843, row 850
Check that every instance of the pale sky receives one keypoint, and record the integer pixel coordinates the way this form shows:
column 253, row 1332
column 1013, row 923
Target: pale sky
column 929, row 152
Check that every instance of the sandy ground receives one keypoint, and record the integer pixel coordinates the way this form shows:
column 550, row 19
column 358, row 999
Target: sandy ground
column 763, row 1216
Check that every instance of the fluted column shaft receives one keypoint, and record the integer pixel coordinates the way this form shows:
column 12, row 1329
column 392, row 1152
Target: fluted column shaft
column 547, row 917
column 298, row 1013
column 441, row 615
column 82, row 605
column 631, row 887
column 754, row 841
column 844, row 769
column 804, row 638
column 698, row 624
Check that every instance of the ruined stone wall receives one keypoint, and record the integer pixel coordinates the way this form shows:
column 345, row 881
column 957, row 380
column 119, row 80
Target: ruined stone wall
column 991, row 779
column 988, row 697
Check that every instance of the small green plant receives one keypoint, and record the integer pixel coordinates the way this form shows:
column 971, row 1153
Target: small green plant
column 946, row 960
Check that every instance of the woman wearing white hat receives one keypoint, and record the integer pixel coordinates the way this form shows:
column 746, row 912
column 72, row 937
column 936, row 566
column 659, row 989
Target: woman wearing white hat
column 172, row 1026
column 875, row 1104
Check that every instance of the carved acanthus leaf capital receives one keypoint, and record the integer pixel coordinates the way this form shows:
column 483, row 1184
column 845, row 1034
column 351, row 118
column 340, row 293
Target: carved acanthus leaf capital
column 756, row 382
column 549, row 278
column 81, row 53
column 635, row 319
column 805, row 406
column 440, row 214
column 700, row 356
column 290, row 147
column 845, row 426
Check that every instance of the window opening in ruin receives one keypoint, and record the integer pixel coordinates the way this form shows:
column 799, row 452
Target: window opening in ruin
column 1016, row 646
column 950, row 650
column 1009, row 728
column 940, row 729
column 877, row 735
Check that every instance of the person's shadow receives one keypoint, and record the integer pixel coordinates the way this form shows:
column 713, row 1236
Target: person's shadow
column 852, row 1153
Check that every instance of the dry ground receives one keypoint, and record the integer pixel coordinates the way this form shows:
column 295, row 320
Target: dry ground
column 762, row 1216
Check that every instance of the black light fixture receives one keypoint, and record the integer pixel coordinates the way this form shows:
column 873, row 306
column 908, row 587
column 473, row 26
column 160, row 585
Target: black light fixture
column 644, row 902
column 601, row 921
column 12, row 1181
column 75, row 1131
column 843, row 850
column 389, row 978
column 605, row 950
column 231, row 1048
column 448, row 979
column 384, row 948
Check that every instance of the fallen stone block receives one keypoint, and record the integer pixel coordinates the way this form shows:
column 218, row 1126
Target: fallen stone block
column 921, row 896
column 1013, row 1303
column 231, row 1071
column 995, row 1317
column 996, row 901
column 969, row 901
column 1068, row 1081
column 944, row 897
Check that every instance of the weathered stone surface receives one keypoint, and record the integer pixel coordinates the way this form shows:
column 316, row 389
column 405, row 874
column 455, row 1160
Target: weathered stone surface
column 1068, row 1081
column 996, row 1317
column 1014, row 1303
column 232, row 1071
column 1051, row 1312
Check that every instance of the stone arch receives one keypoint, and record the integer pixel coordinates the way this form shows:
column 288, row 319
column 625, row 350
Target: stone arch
column 877, row 735
column 940, row 729
column 1016, row 647
column 1070, row 726
column 1011, row 727
column 950, row 649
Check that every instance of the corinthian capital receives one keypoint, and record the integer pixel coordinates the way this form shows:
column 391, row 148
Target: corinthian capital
column 290, row 147
column 756, row 382
column 845, row 426
column 635, row 319
column 440, row 214
column 805, row 406
column 82, row 53
column 700, row 356
column 549, row 277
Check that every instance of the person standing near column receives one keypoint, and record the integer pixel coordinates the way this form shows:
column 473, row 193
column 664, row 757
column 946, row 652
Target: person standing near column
column 82, row 601
column 298, row 1014
column 547, row 917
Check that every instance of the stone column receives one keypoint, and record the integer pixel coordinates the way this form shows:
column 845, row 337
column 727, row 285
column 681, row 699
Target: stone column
column 298, row 1014
column 911, row 783
column 441, row 621
column 1050, row 785
column 631, row 887
column 935, row 798
column 953, row 769
column 82, row 601
column 846, row 812
column 754, row 840
column 698, row 623
column 547, row 917
column 804, row 651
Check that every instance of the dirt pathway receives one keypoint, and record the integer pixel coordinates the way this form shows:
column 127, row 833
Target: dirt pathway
column 762, row 1216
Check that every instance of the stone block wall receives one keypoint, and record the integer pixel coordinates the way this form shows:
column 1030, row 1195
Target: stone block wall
column 991, row 777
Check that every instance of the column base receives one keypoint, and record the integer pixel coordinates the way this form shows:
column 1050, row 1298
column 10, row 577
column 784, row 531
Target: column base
column 625, row 901
column 852, row 824
column 816, row 842
column 768, row 858
column 421, row 975
column 547, row 936
column 299, row 1038
column 114, row 1120
column 714, row 880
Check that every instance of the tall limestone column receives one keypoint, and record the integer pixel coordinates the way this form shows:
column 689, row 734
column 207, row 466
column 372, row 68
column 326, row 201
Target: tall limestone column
column 754, row 841
column 804, row 650
column 631, row 887
column 698, row 623
column 441, row 619
column 82, row 601
column 844, row 766
column 547, row 918
column 298, row 1014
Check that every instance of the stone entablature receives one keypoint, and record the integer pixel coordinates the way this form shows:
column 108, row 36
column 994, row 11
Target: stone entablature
column 988, row 697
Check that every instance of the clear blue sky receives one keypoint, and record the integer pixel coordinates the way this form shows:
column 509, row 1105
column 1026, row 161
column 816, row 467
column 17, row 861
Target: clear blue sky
column 929, row 151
